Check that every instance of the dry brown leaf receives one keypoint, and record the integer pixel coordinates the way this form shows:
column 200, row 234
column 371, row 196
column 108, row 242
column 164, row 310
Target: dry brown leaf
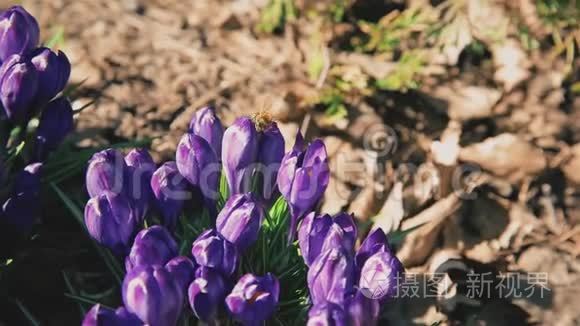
column 510, row 62
column 392, row 213
column 465, row 102
column 505, row 155
column 572, row 166
column 420, row 242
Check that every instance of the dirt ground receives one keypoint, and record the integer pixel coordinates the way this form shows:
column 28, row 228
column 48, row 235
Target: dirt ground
column 148, row 65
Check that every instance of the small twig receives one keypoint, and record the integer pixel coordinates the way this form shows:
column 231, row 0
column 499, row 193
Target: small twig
column 435, row 213
column 325, row 69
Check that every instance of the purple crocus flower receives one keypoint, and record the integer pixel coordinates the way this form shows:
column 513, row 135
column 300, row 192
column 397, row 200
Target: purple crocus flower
column 270, row 154
column 19, row 32
column 183, row 271
column 110, row 220
column 53, row 70
column 362, row 311
column 106, row 172
column 152, row 246
column 254, row 298
column 151, row 293
column 55, row 124
column 327, row 314
column 380, row 276
column 170, row 191
column 18, row 87
column 211, row 250
column 207, row 293
column 240, row 220
column 330, row 278
column 239, row 153
column 208, row 126
column 28, row 180
column 376, row 241
column 127, row 318
column 342, row 233
column 311, row 235
column 21, row 209
column 320, row 232
column 303, row 178
column 140, row 168
column 197, row 162
column 103, row 316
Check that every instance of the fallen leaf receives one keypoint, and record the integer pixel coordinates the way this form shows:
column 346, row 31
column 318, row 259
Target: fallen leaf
column 510, row 62
column 571, row 167
column 392, row 213
column 505, row 155
column 465, row 102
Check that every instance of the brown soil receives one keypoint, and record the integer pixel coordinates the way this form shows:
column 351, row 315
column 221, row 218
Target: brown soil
column 148, row 65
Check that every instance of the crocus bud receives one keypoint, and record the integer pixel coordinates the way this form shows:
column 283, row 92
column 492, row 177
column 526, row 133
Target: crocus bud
column 342, row 233
column 330, row 277
column 106, row 172
column 270, row 153
column 150, row 293
column 327, row 314
column 140, row 168
column 303, row 178
column 380, row 276
column 169, row 189
column 152, row 246
column 28, row 180
column 183, row 271
column 110, row 221
column 197, row 162
column 362, row 311
column 207, row 293
column 102, row 316
column 239, row 153
column 376, row 241
column 318, row 233
column 254, row 298
column 211, row 250
column 311, row 235
column 208, row 126
column 53, row 72
column 56, row 122
column 18, row 87
column 240, row 220
column 21, row 209
column 19, row 32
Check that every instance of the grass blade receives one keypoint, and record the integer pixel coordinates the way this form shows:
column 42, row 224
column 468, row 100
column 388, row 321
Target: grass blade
column 31, row 319
column 73, row 291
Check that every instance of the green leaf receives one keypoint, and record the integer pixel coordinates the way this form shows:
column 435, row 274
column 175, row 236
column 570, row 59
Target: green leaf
column 72, row 290
column 279, row 209
column 57, row 39
column 224, row 191
column 29, row 316
column 397, row 237
column 276, row 14
column 405, row 76
column 85, row 300
column 575, row 88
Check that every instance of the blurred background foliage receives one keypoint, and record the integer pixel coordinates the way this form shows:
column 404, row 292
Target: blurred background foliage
column 419, row 38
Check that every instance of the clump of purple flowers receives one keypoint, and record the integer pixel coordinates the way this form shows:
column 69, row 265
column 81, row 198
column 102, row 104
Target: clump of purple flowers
column 31, row 78
column 224, row 212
